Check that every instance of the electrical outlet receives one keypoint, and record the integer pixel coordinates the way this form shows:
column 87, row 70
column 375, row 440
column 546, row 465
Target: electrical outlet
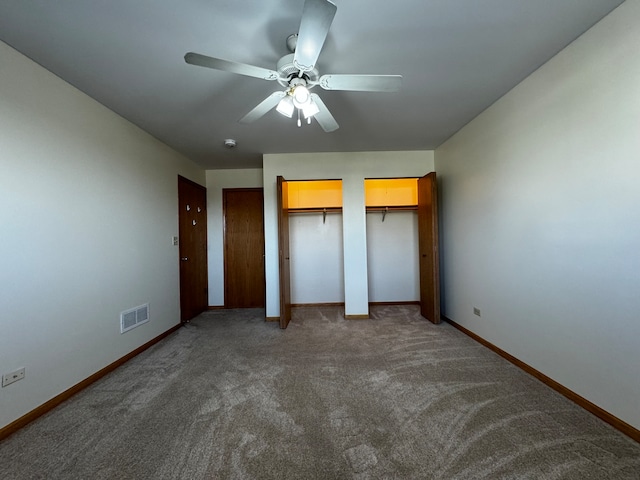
column 9, row 378
column 476, row 311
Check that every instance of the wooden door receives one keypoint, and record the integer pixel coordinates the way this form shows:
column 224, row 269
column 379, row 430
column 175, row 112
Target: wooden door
column 192, row 231
column 283, row 248
column 243, row 247
column 428, row 248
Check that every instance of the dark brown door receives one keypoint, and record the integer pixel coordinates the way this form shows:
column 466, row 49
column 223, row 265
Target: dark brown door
column 283, row 248
column 428, row 248
column 192, row 231
column 243, row 247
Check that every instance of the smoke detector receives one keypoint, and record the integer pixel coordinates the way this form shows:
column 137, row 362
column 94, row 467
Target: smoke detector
column 230, row 143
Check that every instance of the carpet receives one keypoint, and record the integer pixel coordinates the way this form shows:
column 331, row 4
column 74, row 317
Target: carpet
column 230, row 396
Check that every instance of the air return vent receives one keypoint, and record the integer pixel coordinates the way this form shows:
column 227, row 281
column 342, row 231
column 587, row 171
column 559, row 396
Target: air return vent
column 134, row 317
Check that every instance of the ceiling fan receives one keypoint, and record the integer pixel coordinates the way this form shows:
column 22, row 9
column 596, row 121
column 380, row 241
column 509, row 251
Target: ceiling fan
column 296, row 72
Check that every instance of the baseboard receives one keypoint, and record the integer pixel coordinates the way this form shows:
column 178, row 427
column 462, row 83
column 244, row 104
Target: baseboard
column 271, row 319
column 328, row 304
column 58, row 399
column 410, row 302
column 602, row 414
column 357, row 317
column 341, row 304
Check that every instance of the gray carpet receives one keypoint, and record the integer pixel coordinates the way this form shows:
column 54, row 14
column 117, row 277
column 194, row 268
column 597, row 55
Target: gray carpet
column 230, row 396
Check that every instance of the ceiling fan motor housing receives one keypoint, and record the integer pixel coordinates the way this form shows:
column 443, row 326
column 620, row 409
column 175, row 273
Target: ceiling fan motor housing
column 288, row 71
column 292, row 41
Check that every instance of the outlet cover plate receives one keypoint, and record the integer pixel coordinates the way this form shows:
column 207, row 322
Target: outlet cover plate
column 9, row 378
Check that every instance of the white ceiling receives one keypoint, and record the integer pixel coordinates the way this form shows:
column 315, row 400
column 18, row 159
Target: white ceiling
column 457, row 57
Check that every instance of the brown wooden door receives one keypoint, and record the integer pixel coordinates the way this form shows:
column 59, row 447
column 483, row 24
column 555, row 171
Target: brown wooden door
column 283, row 248
column 192, row 231
column 428, row 248
column 243, row 247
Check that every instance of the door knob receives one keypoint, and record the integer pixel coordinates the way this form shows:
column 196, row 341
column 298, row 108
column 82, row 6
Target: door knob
column 184, row 259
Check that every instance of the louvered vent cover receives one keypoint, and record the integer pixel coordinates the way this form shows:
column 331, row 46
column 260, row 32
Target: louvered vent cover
column 134, row 317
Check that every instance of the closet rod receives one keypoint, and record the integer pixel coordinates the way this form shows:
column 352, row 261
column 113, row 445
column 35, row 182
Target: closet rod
column 396, row 208
column 323, row 210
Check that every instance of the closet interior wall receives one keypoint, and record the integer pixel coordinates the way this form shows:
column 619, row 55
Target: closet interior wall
column 392, row 257
column 315, row 242
column 316, row 258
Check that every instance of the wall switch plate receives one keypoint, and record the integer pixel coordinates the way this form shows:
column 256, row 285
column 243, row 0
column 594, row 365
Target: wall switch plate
column 9, row 378
column 476, row 311
column 174, row 240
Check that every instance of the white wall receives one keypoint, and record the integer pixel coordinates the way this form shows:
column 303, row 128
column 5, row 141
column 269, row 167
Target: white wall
column 540, row 216
column 352, row 169
column 316, row 258
column 217, row 180
column 392, row 257
column 88, row 208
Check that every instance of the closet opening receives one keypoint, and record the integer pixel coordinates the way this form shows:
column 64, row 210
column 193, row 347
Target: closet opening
column 393, row 269
column 315, row 242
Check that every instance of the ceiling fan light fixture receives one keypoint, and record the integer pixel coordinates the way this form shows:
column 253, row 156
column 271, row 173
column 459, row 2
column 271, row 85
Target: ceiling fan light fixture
column 301, row 96
column 310, row 109
column 286, row 107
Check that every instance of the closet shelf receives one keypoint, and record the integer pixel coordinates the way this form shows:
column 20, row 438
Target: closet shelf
column 316, row 210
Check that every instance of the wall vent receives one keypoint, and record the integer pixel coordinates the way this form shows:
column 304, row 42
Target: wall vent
column 134, row 317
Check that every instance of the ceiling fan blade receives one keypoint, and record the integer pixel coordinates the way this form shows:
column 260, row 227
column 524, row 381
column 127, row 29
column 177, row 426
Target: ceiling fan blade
column 228, row 66
column 317, row 16
column 324, row 117
column 263, row 107
column 362, row 83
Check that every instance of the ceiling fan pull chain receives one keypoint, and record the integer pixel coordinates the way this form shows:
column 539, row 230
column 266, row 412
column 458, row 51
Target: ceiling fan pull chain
column 299, row 122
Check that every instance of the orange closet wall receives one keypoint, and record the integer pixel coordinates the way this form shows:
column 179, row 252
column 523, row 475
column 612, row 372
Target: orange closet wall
column 315, row 194
column 391, row 192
